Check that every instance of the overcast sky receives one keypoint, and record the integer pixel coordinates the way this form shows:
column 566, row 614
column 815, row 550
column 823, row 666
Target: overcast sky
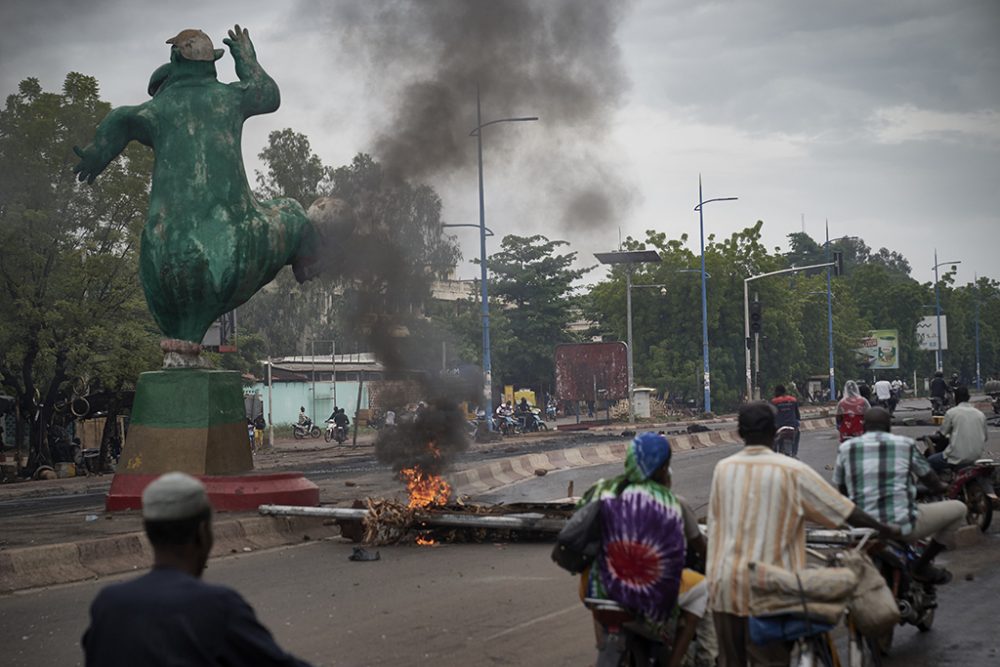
column 882, row 117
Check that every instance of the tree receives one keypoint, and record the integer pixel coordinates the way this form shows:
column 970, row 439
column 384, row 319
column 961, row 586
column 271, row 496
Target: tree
column 73, row 308
column 534, row 292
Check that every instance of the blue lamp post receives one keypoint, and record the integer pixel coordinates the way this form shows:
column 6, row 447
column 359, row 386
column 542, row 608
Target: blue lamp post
column 704, row 298
column 477, row 132
column 937, row 309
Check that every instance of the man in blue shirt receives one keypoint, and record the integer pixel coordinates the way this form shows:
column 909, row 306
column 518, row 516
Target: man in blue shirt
column 169, row 616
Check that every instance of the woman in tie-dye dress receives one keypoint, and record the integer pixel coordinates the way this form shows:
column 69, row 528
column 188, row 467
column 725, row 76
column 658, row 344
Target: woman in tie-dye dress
column 643, row 548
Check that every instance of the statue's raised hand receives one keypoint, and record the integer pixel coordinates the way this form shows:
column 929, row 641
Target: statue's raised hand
column 91, row 163
column 240, row 45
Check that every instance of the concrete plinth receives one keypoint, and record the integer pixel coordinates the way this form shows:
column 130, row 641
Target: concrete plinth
column 230, row 493
column 193, row 420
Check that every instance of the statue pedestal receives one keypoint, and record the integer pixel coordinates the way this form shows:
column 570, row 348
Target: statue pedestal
column 193, row 420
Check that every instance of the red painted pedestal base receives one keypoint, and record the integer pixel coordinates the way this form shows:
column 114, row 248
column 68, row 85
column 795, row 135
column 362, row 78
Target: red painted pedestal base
column 229, row 493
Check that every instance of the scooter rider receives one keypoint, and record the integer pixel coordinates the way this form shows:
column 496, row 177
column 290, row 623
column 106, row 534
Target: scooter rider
column 965, row 427
column 303, row 417
column 787, row 415
column 939, row 388
column 877, row 471
column 340, row 418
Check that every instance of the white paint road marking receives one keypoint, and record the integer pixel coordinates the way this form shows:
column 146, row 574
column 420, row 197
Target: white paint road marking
column 527, row 624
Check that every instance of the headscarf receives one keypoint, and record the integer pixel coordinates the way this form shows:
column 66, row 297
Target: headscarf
column 851, row 389
column 643, row 546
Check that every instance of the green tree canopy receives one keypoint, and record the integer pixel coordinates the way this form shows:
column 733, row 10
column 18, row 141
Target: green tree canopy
column 73, row 307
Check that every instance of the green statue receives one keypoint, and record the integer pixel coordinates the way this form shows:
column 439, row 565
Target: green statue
column 208, row 244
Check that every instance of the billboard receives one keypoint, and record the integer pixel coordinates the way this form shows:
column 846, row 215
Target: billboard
column 879, row 350
column 591, row 371
column 927, row 338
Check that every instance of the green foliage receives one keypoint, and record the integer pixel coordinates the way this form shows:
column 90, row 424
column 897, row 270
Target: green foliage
column 876, row 293
column 72, row 303
column 532, row 288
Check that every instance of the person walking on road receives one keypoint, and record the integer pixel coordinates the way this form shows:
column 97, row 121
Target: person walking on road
column 965, row 427
column 877, row 471
column 851, row 412
column 757, row 510
column 169, row 616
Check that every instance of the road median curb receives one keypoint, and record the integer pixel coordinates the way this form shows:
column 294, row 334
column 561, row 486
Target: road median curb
column 497, row 474
column 53, row 564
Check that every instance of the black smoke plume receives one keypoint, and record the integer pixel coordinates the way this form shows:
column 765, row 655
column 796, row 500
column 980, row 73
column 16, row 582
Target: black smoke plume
column 556, row 59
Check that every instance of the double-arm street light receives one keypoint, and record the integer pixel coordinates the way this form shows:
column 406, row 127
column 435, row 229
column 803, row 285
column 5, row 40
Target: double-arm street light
column 704, row 298
column 477, row 132
column 937, row 308
column 629, row 258
column 746, row 312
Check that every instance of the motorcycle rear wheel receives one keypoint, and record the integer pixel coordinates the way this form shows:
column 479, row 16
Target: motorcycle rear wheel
column 298, row 434
column 980, row 507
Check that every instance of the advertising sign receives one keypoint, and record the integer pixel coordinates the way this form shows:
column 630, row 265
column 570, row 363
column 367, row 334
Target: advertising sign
column 927, row 338
column 880, row 350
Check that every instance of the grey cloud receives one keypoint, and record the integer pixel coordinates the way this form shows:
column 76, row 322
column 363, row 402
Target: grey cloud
column 806, row 68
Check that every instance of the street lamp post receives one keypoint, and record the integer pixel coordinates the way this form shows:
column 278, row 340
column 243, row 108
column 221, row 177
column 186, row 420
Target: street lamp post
column 746, row 312
column 487, row 362
column 979, row 382
column 937, row 309
column 629, row 258
column 704, row 295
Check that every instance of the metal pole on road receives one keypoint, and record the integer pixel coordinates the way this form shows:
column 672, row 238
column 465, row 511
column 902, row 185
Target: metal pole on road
column 746, row 310
column 628, row 327
column 937, row 309
column 628, row 257
column 707, row 379
column 829, row 313
column 484, row 292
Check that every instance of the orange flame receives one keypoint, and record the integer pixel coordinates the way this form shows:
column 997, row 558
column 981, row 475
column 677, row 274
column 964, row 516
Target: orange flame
column 425, row 541
column 425, row 490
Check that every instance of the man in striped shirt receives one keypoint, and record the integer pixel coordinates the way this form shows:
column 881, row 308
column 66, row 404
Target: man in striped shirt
column 876, row 471
column 758, row 507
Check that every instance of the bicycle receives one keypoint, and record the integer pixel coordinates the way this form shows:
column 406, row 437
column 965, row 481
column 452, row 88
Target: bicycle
column 815, row 647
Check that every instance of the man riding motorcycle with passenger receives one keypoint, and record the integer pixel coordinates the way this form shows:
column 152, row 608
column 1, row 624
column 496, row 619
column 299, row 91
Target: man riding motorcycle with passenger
column 877, row 471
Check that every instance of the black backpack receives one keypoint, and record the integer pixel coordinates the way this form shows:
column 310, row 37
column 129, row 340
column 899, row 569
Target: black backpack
column 579, row 541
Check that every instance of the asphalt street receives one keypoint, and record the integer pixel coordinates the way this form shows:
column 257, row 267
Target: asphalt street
column 486, row 604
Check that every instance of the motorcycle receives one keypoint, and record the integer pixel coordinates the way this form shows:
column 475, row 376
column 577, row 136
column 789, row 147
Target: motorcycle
column 894, row 560
column 532, row 422
column 622, row 642
column 300, row 431
column 506, row 425
column 784, row 440
column 334, row 432
column 972, row 483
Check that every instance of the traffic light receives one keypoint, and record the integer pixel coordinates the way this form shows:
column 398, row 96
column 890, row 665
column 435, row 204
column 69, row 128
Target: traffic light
column 756, row 320
column 838, row 262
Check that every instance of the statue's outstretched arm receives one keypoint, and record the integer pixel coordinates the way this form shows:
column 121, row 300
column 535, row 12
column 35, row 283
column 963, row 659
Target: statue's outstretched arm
column 118, row 128
column 260, row 92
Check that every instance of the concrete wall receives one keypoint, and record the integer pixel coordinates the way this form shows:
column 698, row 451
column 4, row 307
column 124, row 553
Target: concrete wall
column 289, row 396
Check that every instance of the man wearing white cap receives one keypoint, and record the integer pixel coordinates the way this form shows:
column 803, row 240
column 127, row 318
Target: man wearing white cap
column 169, row 616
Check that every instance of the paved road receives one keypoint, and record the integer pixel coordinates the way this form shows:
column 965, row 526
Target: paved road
column 472, row 604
